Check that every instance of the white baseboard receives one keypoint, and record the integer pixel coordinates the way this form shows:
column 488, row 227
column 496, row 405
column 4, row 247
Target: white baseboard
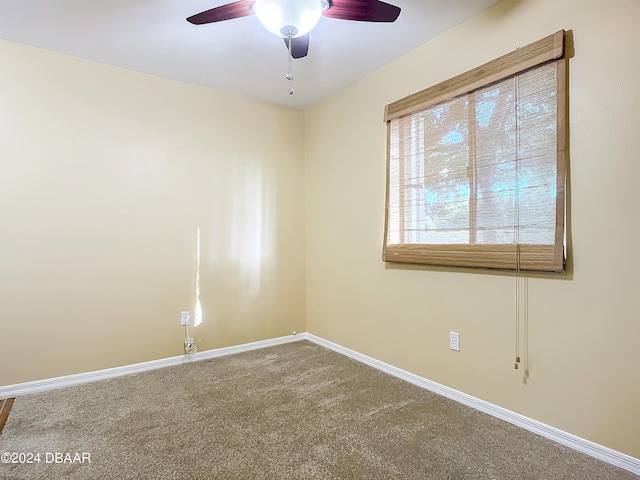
column 592, row 449
column 36, row 386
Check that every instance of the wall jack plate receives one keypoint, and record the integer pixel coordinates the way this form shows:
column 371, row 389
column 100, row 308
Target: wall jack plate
column 185, row 318
column 454, row 341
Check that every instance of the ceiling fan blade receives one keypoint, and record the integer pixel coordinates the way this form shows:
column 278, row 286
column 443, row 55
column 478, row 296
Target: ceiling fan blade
column 239, row 9
column 299, row 46
column 362, row 10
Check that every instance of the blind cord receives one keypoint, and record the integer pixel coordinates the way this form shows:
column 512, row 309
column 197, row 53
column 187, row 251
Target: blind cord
column 517, row 235
column 517, row 229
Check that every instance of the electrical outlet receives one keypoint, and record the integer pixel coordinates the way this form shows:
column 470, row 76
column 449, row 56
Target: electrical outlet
column 185, row 318
column 454, row 341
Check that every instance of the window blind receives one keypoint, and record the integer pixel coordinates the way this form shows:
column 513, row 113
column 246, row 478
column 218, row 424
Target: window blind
column 477, row 179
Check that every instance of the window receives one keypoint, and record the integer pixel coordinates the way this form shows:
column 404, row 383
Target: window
column 475, row 167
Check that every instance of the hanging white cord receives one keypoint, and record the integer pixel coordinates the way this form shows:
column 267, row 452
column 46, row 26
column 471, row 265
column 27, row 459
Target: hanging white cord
column 189, row 345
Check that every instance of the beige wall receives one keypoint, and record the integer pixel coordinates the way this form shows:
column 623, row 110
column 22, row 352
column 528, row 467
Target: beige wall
column 105, row 177
column 583, row 374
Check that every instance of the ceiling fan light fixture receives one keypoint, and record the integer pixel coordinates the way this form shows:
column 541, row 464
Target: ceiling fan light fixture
column 289, row 17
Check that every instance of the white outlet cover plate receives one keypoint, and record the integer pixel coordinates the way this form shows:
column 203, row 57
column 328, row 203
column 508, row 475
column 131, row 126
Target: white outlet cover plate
column 454, row 341
column 185, row 318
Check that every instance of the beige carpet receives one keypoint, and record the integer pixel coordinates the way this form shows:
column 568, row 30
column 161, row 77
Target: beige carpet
column 295, row 411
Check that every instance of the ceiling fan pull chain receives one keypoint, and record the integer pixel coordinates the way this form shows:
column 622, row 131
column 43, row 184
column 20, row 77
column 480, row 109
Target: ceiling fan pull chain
column 289, row 75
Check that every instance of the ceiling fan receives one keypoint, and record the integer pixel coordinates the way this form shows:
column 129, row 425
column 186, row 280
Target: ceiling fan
column 293, row 19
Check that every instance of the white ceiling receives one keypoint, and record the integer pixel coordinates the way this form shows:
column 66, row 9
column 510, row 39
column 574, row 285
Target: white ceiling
column 240, row 56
